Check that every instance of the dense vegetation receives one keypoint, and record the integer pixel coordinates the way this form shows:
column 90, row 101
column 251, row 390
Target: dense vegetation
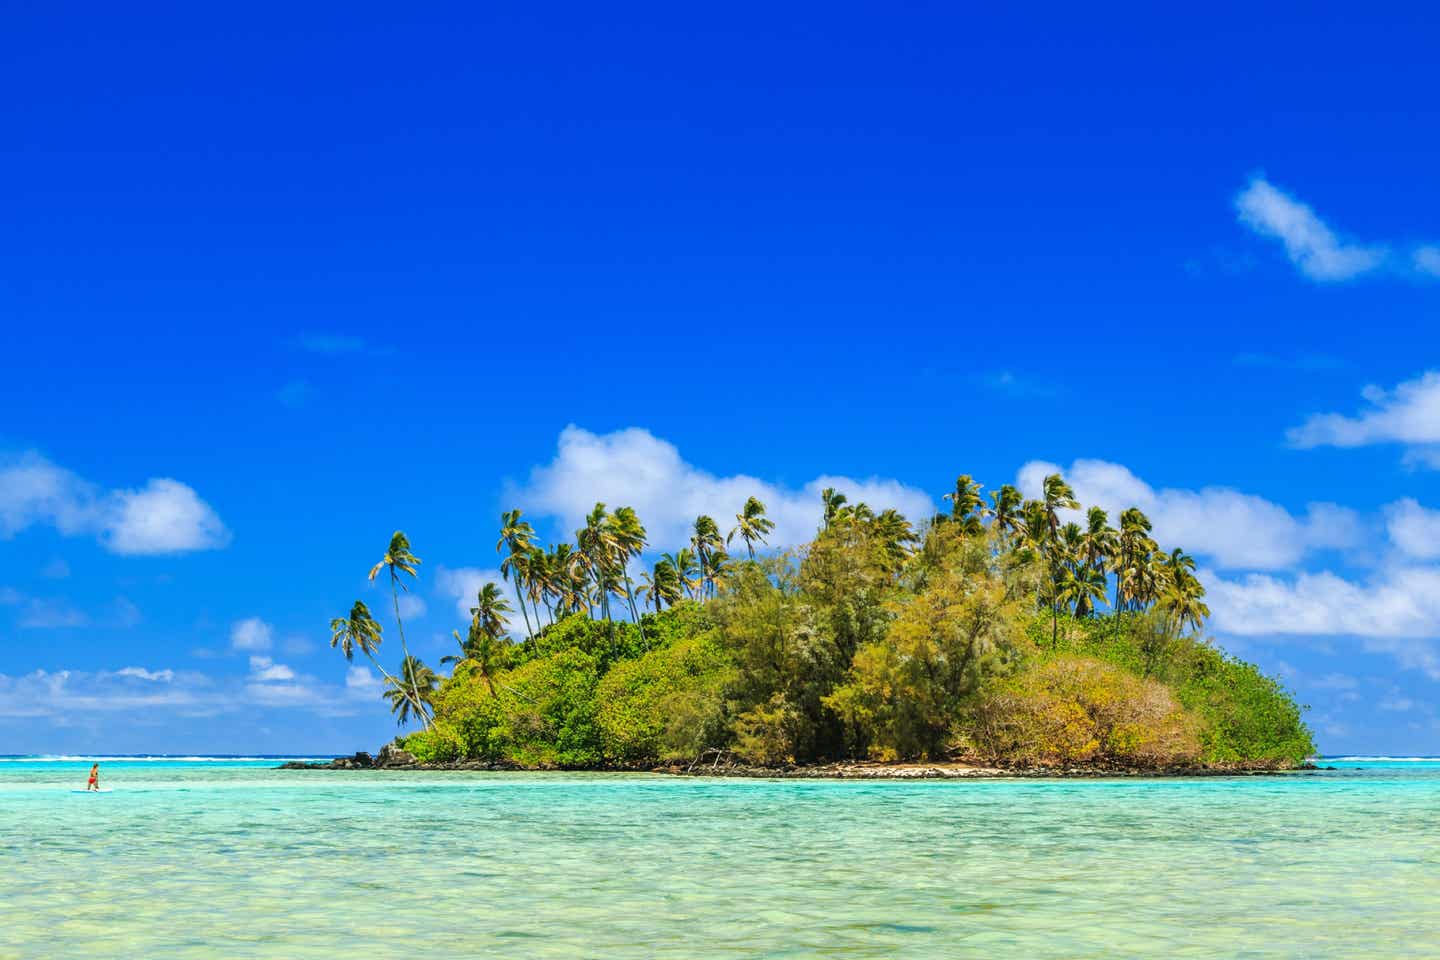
column 997, row 632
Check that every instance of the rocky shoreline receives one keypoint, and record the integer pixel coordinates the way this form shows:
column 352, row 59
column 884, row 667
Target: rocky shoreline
column 393, row 757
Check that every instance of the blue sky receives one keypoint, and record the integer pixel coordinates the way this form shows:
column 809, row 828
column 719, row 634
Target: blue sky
column 275, row 287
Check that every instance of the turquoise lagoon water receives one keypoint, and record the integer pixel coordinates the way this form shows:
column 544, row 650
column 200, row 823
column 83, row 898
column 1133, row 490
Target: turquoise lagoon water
column 188, row 858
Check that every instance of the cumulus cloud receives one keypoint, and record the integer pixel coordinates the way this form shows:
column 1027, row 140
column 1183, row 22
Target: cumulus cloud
column 635, row 468
column 252, row 633
column 1234, row 530
column 140, row 673
column 1408, row 415
column 461, row 584
column 1413, row 530
column 264, row 669
column 164, row 516
column 1310, row 244
column 1396, row 612
column 65, row 694
column 362, row 680
column 411, row 606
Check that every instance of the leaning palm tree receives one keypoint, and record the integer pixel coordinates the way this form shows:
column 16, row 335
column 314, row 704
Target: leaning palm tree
column 706, row 542
column 358, row 631
column 1005, row 509
column 895, row 537
column 398, row 559
column 1057, row 496
column 417, row 677
column 1081, row 588
column 751, row 525
column 490, row 610
column 596, row 554
column 1181, row 591
column 966, row 505
column 627, row 541
column 661, row 585
column 484, row 646
column 686, row 570
column 833, row 500
column 517, row 536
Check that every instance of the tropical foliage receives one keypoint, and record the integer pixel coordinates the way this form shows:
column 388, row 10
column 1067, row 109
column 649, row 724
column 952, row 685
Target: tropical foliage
column 1003, row 629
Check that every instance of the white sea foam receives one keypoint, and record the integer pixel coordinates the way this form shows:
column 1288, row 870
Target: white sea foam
column 151, row 758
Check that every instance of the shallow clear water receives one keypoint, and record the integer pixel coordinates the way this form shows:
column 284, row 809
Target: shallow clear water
column 234, row 859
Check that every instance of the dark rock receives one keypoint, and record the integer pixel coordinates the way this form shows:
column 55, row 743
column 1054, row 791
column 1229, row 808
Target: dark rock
column 392, row 755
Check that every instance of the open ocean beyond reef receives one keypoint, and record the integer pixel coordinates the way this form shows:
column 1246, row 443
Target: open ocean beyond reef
column 228, row 857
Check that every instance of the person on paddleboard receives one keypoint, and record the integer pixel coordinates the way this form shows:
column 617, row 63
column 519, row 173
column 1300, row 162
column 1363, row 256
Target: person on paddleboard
column 94, row 782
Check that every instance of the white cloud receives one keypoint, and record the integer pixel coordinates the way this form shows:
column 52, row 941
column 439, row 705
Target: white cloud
column 264, row 669
column 1413, row 530
column 635, row 468
column 164, row 516
column 252, row 633
column 362, row 680
column 411, row 606
column 65, row 693
column 1409, row 415
column 140, row 673
column 1397, row 612
column 1234, row 530
column 461, row 584
column 1312, row 246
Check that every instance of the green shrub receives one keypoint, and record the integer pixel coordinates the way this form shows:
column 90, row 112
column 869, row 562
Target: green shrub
column 668, row 704
column 1073, row 708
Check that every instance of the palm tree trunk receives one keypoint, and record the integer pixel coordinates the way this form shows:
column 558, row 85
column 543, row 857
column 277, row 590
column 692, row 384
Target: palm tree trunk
column 400, row 625
column 520, row 598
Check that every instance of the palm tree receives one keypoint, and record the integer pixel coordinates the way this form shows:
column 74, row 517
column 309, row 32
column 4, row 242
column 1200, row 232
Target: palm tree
column 833, row 500
column 1181, row 591
column 419, row 678
column 686, row 570
column 705, row 541
column 1099, row 542
column 484, row 644
column 966, row 504
column 661, row 585
column 517, row 535
column 398, row 559
column 627, row 535
column 490, row 610
column 752, row 525
column 1081, row 587
column 595, row 555
column 560, row 573
column 1057, row 496
column 895, row 537
column 1134, row 583
column 359, row 631
column 1005, row 508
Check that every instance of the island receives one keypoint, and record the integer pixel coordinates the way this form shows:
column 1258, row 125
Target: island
column 1007, row 635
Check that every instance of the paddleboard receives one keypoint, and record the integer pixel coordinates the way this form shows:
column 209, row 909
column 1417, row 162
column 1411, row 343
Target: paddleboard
column 101, row 790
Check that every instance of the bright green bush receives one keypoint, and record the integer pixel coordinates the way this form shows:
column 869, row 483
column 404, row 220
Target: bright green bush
column 668, row 704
